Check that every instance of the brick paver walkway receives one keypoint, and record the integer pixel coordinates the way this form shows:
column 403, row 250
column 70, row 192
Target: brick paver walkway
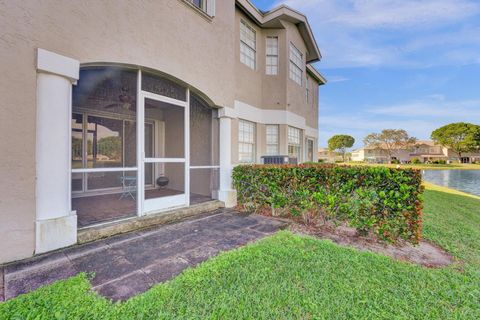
column 129, row 264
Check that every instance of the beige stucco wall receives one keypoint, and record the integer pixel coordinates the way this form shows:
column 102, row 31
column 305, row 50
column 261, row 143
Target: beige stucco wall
column 276, row 92
column 135, row 33
column 164, row 35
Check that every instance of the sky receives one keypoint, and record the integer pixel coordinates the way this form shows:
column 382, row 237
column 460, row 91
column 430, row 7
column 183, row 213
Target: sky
column 394, row 64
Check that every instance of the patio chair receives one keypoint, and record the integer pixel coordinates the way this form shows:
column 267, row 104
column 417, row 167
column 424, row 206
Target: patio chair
column 129, row 186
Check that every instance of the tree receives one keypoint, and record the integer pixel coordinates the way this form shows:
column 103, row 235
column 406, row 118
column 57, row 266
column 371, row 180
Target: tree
column 341, row 142
column 461, row 137
column 390, row 140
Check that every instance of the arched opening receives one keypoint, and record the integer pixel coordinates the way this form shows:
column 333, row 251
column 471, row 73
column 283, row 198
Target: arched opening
column 121, row 169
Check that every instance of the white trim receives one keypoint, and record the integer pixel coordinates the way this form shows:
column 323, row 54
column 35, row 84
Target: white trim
column 140, row 145
column 157, row 97
column 248, row 112
column 225, row 192
column 311, row 132
column 165, row 160
column 156, row 205
column 93, row 170
column 52, row 234
column 211, row 8
column 54, row 63
column 186, row 126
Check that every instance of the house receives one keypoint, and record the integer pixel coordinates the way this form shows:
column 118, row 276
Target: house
column 325, row 155
column 424, row 150
column 117, row 111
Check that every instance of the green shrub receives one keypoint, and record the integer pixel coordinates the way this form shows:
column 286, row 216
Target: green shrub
column 383, row 200
column 416, row 161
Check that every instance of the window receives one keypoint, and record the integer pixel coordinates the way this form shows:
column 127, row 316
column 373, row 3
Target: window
column 247, row 45
column 246, row 141
column 310, row 150
column 296, row 64
column 307, row 90
column 294, row 143
column 272, row 139
column 272, row 56
column 199, row 3
column 207, row 6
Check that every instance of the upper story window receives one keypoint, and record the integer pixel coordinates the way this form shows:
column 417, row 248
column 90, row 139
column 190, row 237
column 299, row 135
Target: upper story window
column 248, row 45
column 294, row 143
column 207, row 6
column 272, row 139
column 296, row 64
column 246, row 141
column 307, row 90
column 272, row 56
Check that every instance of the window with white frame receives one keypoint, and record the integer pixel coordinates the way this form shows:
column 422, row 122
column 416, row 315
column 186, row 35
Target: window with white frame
column 246, row 141
column 296, row 64
column 248, row 45
column 207, row 6
column 310, row 144
column 272, row 56
column 307, row 90
column 272, row 139
column 294, row 143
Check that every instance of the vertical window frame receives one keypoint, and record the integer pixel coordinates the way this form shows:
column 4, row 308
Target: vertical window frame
column 245, row 139
column 248, row 52
column 296, row 65
column 271, row 69
column 294, row 138
column 268, row 143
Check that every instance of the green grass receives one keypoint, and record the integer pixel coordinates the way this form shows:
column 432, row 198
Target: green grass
column 293, row 277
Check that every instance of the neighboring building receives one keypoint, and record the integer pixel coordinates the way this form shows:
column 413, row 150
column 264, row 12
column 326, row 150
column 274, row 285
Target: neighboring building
column 325, row 155
column 424, row 150
column 102, row 103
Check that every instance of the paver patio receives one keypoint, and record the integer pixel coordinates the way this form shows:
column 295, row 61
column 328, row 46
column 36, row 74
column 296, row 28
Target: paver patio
column 129, row 264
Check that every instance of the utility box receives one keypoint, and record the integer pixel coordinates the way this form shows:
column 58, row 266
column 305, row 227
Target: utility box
column 279, row 160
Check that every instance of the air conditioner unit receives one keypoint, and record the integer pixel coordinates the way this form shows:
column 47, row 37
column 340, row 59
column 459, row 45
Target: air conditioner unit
column 279, row 160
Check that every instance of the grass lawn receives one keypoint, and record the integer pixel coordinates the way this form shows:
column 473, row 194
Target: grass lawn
column 293, row 277
column 420, row 166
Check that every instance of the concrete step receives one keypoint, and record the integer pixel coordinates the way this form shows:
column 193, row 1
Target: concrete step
column 109, row 229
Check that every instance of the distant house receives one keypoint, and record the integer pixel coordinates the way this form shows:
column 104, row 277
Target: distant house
column 326, row 155
column 424, row 150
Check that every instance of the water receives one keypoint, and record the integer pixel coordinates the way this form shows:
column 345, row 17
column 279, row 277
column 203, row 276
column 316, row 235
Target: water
column 463, row 180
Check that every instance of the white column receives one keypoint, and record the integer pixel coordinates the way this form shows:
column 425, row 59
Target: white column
column 56, row 224
column 226, row 193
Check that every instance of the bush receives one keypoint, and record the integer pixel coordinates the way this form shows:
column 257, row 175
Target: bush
column 416, row 161
column 395, row 161
column 382, row 200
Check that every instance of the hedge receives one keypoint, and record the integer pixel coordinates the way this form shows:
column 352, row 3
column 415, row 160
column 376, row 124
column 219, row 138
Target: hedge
column 385, row 201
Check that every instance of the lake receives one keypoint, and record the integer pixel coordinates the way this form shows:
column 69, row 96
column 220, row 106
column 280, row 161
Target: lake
column 463, row 180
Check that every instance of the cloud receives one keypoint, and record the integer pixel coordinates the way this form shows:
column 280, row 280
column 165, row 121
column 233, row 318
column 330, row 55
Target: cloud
column 332, row 79
column 387, row 13
column 418, row 117
column 400, row 33
column 454, row 110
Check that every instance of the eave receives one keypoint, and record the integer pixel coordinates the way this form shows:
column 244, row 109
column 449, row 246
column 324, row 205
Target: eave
column 272, row 18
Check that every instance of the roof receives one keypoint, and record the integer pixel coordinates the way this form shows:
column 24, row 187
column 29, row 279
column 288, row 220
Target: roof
column 418, row 143
column 316, row 75
column 271, row 19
